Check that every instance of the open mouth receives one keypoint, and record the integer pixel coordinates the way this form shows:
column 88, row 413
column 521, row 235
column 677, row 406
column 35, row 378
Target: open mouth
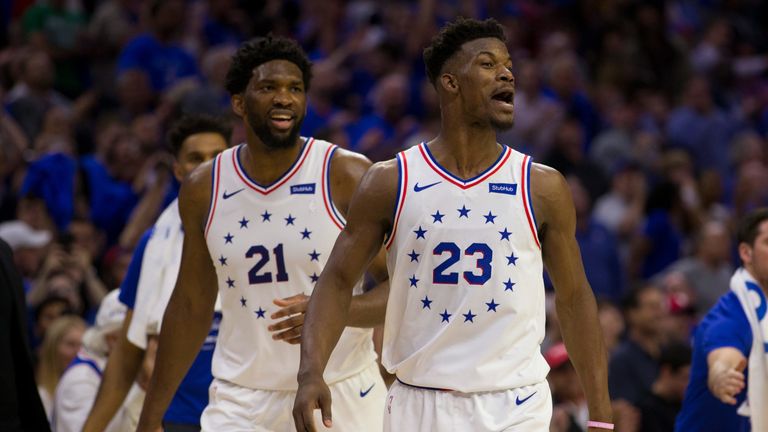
column 282, row 121
column 506, row 96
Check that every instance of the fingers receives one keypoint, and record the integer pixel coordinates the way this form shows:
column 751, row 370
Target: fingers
column 325, row 409
column 728, row 386
column 293, row 309
column 294, row 321
column 292, row 335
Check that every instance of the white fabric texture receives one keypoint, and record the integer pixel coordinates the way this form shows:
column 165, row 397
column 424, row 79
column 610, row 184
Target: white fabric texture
column 754, row 303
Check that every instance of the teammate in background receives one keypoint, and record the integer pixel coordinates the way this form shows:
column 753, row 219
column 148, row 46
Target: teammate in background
column 728, row 389
column 465, row 317
column 151, row 277
column 259, row 223
column 77, row 387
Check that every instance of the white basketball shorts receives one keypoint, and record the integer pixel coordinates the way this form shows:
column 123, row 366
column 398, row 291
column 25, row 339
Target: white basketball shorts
column 524, row 409
column 358, row 403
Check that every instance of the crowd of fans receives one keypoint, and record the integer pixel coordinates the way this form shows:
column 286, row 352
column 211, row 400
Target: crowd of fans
column 655, row 111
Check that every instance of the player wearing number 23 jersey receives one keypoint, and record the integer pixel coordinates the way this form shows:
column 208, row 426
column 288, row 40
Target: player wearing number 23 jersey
column 469, row 306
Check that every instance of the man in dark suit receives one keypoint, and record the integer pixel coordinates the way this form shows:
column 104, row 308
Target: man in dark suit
column 20, row 406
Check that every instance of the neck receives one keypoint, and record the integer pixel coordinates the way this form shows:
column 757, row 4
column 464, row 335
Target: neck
column 264, row 164
column 464, row 149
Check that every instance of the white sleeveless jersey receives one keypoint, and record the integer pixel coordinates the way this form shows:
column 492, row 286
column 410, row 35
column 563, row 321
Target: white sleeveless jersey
column 266, row 243
column 466, row 303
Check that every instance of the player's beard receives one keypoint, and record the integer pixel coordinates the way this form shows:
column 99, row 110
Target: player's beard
column 262, row 130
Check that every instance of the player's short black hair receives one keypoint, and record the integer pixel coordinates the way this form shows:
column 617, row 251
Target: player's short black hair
column 190, row 124
column 453, row 36
column 749, row 225
column 260, row 50
column 675, row 355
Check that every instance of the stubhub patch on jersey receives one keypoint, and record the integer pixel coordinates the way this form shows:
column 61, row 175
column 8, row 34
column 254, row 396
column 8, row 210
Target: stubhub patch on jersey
column 503, row 188
column 304, row 189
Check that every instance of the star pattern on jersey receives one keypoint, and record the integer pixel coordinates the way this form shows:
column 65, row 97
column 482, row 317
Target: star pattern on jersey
column 508, row 285
column 492, row 305
column 469, row 316
column 464, row 212
column 420, row 233
column 289, row 220
column 260, row 313
column 426, row 303
column 490, row 217
column 230, row 282
column 306, row 234
column 243, row 223
column 505, row 234
column 265, row 217
column 414, row 256
column 414, row 282
column 512, row 259
column 446, row 316
column 314, row 277
column 314, row 256
column 437, row 217
column 228, row 238
column 222, row 260
column 243, row 301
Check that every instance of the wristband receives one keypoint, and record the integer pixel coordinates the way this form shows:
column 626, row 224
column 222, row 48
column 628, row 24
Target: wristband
column 599, row 425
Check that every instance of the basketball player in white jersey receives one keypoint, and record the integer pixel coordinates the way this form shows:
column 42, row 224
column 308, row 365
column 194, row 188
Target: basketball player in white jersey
column 469, row 225
column 259, row 223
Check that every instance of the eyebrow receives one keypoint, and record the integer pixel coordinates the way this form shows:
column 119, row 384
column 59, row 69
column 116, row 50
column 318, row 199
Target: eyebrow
column 488, row 53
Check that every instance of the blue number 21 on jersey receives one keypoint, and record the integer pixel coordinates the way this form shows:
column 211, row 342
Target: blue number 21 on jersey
column 253, row 274
column 439, row 275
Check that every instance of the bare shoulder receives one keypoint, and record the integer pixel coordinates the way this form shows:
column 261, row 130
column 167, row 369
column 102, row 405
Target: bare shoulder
column 348, row 165
column 195, row 193
column 349, row 170
column 550, row 195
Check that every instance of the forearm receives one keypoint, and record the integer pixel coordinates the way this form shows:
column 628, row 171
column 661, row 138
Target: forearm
column 186, row 323
column 327, row 315
column 584, row 342
column 121, row 370
column 367, row 310
column 143, row 216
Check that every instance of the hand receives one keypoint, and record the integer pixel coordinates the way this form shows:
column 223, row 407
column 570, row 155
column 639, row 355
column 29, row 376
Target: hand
column 294, row 308
column 313, row 394
column 726, row 383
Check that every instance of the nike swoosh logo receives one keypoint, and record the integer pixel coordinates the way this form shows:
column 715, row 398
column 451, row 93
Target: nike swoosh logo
column 365, row 393
column 519, row 401
column 417, row 188
column 228, row 196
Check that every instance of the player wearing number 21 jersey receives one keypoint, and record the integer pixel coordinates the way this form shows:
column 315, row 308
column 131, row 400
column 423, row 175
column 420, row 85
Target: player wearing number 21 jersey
column 259, row 224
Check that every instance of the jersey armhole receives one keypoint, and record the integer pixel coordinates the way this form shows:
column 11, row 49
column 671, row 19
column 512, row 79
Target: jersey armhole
column 527, row 203
column 215, row 180
column 330, row 207
column 402, row 188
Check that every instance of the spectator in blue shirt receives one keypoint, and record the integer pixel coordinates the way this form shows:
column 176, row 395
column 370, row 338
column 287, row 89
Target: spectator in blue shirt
column 157, row 52
column 723, row 343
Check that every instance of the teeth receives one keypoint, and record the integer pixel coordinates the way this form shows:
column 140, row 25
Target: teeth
column 281, row 117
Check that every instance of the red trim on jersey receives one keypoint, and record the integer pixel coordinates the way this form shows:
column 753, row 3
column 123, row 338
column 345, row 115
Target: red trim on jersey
column 473, row 182
column 327, row 193
column 216, row 175
column 526, row 204
column 403, row 190
column 280, row 181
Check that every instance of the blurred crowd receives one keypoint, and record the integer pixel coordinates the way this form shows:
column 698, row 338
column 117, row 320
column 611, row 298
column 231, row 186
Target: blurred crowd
column 655, row 111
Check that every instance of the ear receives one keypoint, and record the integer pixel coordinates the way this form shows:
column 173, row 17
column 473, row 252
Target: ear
column 449, row 83
column 745, row 253
column 237, row 105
